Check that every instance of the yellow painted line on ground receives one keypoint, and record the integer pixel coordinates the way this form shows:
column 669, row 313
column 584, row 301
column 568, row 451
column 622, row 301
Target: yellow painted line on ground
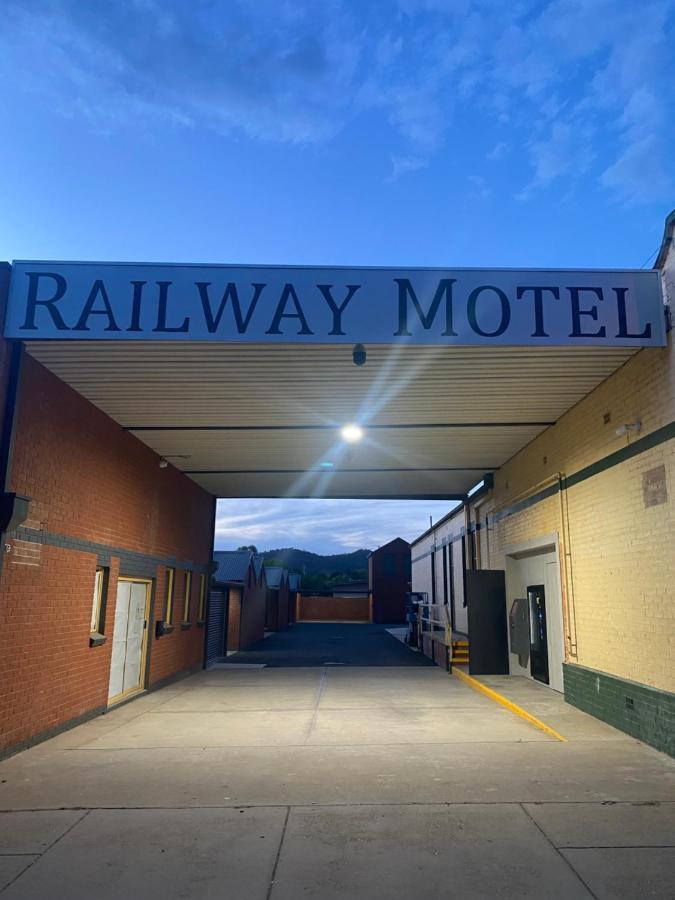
column 504, row 701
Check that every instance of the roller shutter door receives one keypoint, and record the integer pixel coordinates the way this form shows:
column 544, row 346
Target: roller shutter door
column 215, row 637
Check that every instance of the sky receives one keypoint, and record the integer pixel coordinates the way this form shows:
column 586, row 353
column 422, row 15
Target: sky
column 347, row 132
column 323, row 526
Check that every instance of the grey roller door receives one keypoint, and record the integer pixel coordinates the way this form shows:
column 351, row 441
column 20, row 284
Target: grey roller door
column 216, row 618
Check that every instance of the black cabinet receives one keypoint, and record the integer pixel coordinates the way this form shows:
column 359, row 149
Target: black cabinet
column 486, row 607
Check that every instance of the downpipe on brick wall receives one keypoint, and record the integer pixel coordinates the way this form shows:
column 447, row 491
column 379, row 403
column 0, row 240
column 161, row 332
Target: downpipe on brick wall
column 568, row 573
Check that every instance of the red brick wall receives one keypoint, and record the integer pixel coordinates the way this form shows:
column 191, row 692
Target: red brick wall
column 181, row 649
column 233, row 618
column 92, row 481
column 253, row 614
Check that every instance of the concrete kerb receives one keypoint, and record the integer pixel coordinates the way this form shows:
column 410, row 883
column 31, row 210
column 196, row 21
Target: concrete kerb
column 506, row 703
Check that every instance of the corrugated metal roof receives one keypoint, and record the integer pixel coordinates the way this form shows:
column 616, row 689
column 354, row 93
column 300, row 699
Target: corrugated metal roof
column 274, row 575
column 259, row 420
column 232, row 565
column 258, row 563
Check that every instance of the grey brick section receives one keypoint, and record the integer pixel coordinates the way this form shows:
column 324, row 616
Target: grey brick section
column 131, row 563
column 641, row 711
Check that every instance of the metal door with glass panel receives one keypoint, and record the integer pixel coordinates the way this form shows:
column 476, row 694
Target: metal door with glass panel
column 536, row 600
column 129, row 638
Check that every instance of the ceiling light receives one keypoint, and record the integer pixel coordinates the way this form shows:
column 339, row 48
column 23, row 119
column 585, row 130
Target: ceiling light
column 352, row 433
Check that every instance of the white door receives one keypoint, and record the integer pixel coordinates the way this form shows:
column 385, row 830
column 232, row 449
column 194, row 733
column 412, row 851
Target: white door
column 535, row 569
column 128, row 638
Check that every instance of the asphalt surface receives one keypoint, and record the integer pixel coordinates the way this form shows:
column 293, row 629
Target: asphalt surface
column 326, row 644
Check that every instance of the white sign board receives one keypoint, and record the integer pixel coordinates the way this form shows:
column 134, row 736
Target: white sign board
column 275, row 304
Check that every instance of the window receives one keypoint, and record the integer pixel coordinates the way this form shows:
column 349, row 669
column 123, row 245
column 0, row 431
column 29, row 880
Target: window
column 168, row 610
column 202, row 598
column 186, row 597
column 96, row 626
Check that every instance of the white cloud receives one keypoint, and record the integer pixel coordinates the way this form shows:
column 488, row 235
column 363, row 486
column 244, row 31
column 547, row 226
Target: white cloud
column 322, row 526
column 402, row 165
column 479, row 186
column 564, row 151
column 583, row 85
column 276, row 71
column 639, row 175
column 498, row 150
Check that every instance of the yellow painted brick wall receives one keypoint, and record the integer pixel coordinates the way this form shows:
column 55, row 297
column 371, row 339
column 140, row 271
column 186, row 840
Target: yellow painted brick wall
column 622, row 554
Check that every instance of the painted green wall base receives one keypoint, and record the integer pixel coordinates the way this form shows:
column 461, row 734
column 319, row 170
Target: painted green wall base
column 641, row 711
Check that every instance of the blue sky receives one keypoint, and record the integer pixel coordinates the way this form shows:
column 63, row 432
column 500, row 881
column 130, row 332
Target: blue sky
column 410, row 132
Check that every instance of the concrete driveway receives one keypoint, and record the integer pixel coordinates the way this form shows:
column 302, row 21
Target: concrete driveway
column 336, row 781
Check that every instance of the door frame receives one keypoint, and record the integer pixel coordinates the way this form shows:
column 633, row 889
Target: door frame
column 130, row 692
column 555, row 614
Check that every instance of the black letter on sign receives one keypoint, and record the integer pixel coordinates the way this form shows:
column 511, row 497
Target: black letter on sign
column 97, row 289
column 405, row 288
column 471, row 310
column 538, row 306
column 287, row 294
column 161, row 310
column 335, row 309
column 623, row 317
column 32, row 301
column 230, row 293
column 136, row 306
column 577, row 312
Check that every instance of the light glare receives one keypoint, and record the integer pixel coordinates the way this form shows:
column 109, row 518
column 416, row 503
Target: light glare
column 352, row 433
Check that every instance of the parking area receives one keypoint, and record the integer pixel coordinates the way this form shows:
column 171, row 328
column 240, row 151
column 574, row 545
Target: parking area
column 336, row 780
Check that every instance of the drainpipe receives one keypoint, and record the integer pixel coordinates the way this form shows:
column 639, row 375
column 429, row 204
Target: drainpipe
column 569, row 606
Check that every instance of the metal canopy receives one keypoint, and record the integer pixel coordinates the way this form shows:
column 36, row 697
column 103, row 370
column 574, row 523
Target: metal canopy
column 262, row 420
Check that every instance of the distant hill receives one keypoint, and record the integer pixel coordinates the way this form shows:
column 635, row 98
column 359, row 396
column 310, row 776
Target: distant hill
column 314, row 564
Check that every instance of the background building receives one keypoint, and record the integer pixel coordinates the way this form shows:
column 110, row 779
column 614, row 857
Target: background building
column 389, row 580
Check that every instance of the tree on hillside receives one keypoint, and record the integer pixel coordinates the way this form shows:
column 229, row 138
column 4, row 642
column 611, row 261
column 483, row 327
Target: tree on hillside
column 250, row 548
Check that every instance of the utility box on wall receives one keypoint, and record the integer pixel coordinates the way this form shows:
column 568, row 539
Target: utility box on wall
column 519, row 630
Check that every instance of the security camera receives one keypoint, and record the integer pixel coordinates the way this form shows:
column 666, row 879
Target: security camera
column 359, row 355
